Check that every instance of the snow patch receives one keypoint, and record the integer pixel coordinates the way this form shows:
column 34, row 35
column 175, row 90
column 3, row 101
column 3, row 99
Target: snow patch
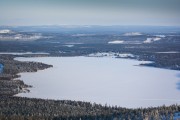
column 27, row 37
column 125, row 55
column 133, row 34
column 23, row 37
column 161, row 36
column 150, row 40
column 69, row 45
column 73, row 43
column 157, row 39
column 111, row 54
column 23, row 53
column 82, row 35
column 169, row 52
column 116, row 42
column 5, row 31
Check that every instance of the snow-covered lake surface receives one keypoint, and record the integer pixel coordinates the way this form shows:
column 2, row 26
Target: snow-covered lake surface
column 103, row 80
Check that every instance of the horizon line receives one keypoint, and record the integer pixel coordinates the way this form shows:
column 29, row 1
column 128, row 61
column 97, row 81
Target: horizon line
column 86, row 25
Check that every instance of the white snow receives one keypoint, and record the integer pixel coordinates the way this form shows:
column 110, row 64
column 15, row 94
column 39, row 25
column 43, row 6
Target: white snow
column 150, row 40
column 69, row 45
column 22, row 37
column 133, row 34
column 73, row 43
column 162, row 36
column 22, row 53
column 103, row 80
column 169, row 52
column 5, row 31
column 101, row 54
column 125, row 55
column 116, row 42
column 156, row 39
column 110, row 54
column 82, row 35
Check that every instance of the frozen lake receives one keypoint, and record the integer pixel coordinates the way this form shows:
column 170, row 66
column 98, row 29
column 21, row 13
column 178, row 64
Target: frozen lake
column 103, row 80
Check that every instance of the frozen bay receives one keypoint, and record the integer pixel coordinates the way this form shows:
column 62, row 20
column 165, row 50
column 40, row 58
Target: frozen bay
column 103, row 80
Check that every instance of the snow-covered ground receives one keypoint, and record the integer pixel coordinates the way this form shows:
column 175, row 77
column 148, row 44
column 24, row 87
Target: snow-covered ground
column 5, row 31
column 162, row 36
column 150, row 40
column 169, row 52
column 22, row 53
column 116, row 42
column 73, row 43
column 69, row 45
column 82, row 35
column 19, row 36
column 133, row 34
column 110, row 54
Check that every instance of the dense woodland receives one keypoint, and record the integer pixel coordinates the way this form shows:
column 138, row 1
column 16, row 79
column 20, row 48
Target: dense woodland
column 26, row 108
column 9, row 86
column 149, row 52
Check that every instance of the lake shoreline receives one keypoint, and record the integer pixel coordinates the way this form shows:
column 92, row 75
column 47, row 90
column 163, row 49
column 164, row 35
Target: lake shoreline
column 15, row 75
column 83, row 60
column 9, row 78
column 13, row 103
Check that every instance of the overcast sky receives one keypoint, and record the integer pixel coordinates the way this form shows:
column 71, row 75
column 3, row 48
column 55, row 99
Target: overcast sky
column 90, row 12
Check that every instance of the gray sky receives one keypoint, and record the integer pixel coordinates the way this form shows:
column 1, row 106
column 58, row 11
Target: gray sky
column 90, row 12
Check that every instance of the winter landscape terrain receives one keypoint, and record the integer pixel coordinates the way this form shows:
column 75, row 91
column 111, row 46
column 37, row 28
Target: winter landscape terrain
column 119, row 72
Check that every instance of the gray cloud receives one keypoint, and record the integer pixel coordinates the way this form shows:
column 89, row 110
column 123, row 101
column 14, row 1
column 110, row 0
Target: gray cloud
column 103, row 12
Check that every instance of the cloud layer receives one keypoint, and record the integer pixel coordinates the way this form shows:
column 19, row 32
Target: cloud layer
column 90, row 12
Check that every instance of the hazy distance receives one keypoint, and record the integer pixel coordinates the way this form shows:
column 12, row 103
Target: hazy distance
column 90, row 12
